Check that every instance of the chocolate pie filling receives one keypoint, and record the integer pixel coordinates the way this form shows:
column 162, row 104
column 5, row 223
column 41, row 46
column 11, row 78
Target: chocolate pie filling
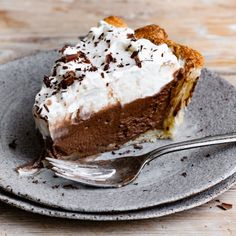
column 115, row 125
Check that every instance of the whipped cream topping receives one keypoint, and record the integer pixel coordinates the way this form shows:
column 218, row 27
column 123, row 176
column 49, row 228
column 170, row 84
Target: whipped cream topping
column 108, row 66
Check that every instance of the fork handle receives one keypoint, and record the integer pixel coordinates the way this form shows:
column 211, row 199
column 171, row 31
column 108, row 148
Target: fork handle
column 194, row 143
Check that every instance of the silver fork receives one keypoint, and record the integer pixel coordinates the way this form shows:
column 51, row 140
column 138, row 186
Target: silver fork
column 122, row 171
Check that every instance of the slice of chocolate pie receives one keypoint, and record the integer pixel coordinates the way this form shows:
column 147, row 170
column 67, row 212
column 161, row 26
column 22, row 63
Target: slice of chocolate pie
column 115, row 86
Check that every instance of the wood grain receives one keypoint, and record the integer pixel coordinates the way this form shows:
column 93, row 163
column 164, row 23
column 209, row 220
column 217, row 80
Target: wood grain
column 208, row 25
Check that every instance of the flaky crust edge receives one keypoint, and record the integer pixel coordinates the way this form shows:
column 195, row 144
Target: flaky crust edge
column 193, row 63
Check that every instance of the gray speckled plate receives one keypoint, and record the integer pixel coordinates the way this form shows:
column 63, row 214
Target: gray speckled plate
column 213, row 110
column 156, row 211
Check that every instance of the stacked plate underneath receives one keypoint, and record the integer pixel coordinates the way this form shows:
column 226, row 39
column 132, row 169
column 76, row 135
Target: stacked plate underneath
column 171, row 183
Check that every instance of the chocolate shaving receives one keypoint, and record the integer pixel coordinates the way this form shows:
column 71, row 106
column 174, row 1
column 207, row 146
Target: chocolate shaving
column 138, row 62
column 225, row 206
column 130, row 36
column 54, row 72
column 134, row 54
column 81, row 77
column 86, row 60
column 68, row 58
column 93, row 68
column 95, row 44
column 120, row 65
column 108, row 58
column 102, row 74
column 63, row 48
column 101, row 36
column 45, row 106
column 127, row 49
column 106, row 67
column 64, row 67
column 39, row 111
column 46, row 81
column 68, row 80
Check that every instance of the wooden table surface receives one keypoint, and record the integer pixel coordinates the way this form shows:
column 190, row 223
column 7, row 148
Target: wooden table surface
column 29, row 26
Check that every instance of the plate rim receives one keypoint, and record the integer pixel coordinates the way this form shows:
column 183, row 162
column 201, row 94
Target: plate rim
column 148, row 213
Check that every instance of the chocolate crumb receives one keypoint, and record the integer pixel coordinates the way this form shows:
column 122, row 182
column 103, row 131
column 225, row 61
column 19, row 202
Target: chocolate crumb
column 225, row 206
column 55, row 186
column 13, row 144
column 184, row 174
column 138, row 146
column 183, row 158
column 69, row 186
